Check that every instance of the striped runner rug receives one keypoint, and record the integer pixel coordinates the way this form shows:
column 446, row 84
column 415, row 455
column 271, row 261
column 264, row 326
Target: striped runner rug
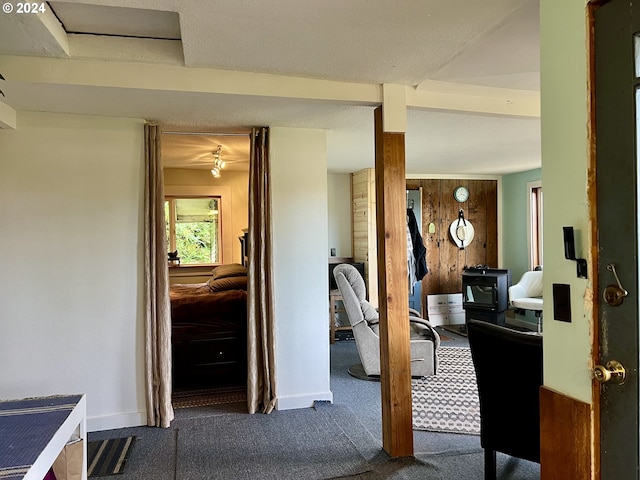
column 448, row 401
column 108, row 457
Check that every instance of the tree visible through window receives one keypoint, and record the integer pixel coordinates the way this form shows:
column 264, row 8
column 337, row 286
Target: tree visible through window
column 193, row 229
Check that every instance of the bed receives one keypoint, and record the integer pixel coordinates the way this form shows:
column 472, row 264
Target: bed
column 209, row 330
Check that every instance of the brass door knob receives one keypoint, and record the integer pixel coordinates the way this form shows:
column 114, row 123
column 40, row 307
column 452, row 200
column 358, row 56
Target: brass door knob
column 614, row 294
column 612, row 372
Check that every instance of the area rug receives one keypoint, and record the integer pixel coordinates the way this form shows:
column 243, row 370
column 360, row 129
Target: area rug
column 108, row 457
column 209, row 396
column 448, row 401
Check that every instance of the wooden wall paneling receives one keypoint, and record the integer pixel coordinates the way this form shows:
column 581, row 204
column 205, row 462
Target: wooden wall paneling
column 360, row 214
column 432, row 241
column 451, row 257
column 565, row 437
column 372, row 265
column 475, row 212
column 364, row 228
column 413, row 184
column 486, row 216
column 444, row 259
column 491, row 222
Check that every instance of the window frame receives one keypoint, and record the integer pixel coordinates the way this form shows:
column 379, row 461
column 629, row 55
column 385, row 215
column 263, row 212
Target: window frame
column 535, row 223
column 171, row 243
column 226, row 220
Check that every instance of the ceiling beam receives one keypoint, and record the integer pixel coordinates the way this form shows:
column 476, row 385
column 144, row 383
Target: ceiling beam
column 7, row 117
column 394, row 113
column 460, row 97
column 180, row 79
column 177, row 79
column 36, row 33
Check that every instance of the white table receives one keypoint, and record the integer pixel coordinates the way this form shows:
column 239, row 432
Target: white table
column 34, row 431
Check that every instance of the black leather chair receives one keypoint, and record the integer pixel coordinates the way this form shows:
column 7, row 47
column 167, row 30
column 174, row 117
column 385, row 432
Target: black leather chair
column 508, row 366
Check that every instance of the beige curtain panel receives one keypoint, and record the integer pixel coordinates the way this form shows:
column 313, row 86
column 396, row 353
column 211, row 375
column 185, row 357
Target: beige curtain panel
column 156, row 289
column 260, row 328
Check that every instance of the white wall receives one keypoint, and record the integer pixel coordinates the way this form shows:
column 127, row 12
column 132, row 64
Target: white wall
column 565, row 147
column 71, row 283
column 71, row 255
column 339, row 207
column 300, row 245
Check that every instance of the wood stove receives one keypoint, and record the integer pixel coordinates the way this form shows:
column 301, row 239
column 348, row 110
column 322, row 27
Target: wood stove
column 485, row 293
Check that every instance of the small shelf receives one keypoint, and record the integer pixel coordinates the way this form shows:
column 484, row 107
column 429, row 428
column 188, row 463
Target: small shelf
column 336, row 309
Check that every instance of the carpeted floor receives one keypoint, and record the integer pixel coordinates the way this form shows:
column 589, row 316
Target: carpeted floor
column 224, row 442
column 340, row 440
column 260, row 446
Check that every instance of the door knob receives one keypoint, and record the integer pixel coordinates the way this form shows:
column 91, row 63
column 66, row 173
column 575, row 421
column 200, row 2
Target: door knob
column 612, row 372
column 614, row 294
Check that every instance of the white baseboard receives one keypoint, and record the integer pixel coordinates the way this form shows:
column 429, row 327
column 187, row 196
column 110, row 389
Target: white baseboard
column 111, row 422
column 302, row 401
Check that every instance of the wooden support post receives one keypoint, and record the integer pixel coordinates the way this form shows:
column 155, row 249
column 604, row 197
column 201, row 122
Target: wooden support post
column 395, row 355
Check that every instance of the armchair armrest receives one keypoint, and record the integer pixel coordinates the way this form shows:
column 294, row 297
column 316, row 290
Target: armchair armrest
column 429, row 328
column 516, row 291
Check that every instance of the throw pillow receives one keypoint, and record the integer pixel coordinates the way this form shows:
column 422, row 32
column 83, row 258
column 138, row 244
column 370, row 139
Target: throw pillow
column 230, row 270
column 228, row 283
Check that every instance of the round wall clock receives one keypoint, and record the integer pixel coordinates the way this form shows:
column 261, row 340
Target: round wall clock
column 461, row 194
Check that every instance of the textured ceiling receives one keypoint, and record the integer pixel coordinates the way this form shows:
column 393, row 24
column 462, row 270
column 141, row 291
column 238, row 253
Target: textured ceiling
column 493, row 43
column 121, row 21
column 374, row 41
column 191, row 149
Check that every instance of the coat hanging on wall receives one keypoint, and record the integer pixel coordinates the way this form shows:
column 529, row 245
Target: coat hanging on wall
column 417, row 252
column 461, row 231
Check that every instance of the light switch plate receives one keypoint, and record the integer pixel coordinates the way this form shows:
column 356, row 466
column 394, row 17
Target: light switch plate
column 562, row 302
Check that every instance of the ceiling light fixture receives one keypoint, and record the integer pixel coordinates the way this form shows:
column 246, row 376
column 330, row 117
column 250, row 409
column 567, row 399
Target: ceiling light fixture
column 218, row 164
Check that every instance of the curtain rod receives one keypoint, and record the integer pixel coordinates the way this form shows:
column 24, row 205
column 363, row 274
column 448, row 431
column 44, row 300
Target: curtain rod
column 211, row 134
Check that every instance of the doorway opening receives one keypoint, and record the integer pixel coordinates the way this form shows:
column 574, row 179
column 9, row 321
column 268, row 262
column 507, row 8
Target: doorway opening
column 206, row 190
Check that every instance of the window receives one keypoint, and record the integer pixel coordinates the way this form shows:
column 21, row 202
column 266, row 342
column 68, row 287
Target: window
column 193, row 229
column 535, row 224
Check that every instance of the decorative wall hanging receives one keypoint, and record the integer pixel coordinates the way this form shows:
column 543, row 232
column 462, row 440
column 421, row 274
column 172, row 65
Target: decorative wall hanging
column 461, row 231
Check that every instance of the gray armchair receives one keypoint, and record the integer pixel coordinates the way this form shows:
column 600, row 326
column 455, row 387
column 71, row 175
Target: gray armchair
column 364, row 321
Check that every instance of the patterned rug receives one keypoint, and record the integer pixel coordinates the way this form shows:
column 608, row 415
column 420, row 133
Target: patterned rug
column 210, row 396
column 448, row 401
